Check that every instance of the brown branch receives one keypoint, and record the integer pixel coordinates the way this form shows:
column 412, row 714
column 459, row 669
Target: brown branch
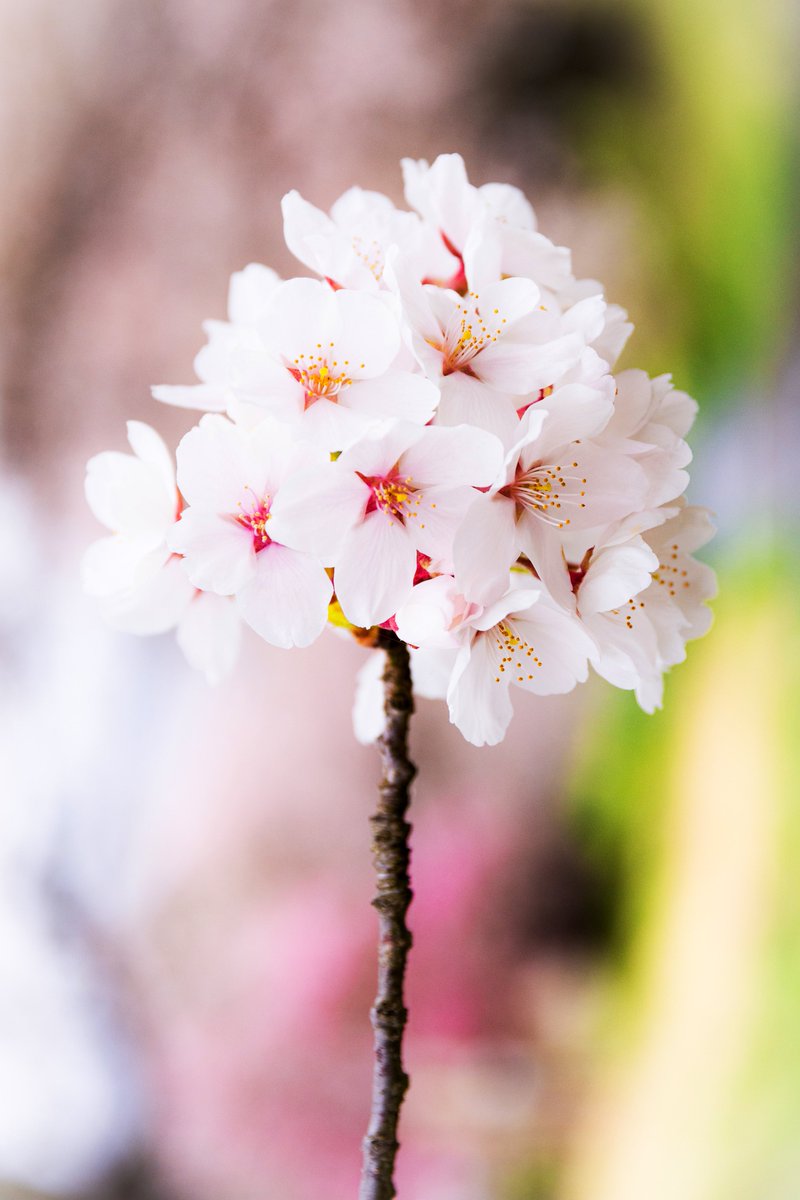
column 390, row 850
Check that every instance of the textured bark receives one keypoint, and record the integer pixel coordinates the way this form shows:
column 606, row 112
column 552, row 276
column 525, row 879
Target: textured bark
column 390, row 832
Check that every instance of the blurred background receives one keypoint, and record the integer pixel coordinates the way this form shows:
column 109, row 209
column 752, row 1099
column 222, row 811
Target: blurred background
column 605, row 985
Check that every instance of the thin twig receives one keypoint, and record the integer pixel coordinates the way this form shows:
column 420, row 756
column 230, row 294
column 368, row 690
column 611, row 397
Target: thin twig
column 390, row 833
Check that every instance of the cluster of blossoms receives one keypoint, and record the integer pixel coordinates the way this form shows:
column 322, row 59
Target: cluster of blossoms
column 427, row 438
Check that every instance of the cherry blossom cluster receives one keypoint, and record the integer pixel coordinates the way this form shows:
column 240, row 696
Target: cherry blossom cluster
column 426, row 437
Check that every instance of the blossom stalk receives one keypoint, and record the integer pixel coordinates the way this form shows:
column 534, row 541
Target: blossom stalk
column 391, row 856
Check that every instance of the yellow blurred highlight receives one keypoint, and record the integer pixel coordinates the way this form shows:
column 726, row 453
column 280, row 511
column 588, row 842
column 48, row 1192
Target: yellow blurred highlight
column 654, row 1127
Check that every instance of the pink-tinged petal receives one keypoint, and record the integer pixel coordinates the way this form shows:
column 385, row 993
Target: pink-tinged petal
column 431, row 671
column 485, row 548
column 300, row 319
column 508, row 203
column 369, row 718
column 478, row 696
column 650, row 692
column 483, row 253
column 543, row 546
column 335, row 427
column 286, row 600
column 467, row 401
column 308, row 233
column 287, row 406
column 528, row 253
column 128, row 496
column 112, row 564
column 315, row 510
column 211, row 464
column 574, row 412
column 633, row 404
column 249, row 293
column 626, row 653
column 450, row 456
column 442, row 194
column 378, row 452
column 203, row 397
column 367, row 340
column 561, row 646
column 433, row 614
column 536, row 365
column 586, row 486
column 375, row 571
column 616, row 331
column 692, row 526
column 245, row 367
column 218, row 552
column 675, row 409
column 435, row 517
column 400, row 394
column 209, row 634
column 615, row 574
column 415, row 301
column 506, row 302
column 523, row 593
column 154, row 604
column 272, row 452
column 516, row 367
column 151, row 448
column 616, row 485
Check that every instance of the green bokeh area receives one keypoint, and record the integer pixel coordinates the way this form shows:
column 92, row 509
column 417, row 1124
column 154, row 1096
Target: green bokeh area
column 708, row 149
column 706, row 144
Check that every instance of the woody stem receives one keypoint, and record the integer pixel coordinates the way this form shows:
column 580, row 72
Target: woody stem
column 391, row 854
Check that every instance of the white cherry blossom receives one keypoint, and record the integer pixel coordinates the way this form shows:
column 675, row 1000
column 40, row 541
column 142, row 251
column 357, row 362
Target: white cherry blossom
column 431, row 436
column 555, row 480
column 643, row 598
column 523, row 640
column 348, row 248
column 230, row 479
column 142, row 587
column 232, row 360
column 333, row 371
column 399, row 492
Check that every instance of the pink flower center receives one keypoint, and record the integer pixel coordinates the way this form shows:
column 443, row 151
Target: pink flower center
column 393, row 494
column 542, row 394
column 255, row 518
column 469, row 331
column 319, row 378
column 548, row 491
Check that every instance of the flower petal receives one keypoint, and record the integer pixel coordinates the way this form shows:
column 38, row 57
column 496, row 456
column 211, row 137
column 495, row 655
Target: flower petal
column 454, row 455
column 218, row 552
column 398, row 394
column 154, row 604
column 375, row 571
column 286, row 600
column 485, row 548
column 212, row 468
column 468, row 401
column 209, row 634
column 315, row 510
column 478, row 697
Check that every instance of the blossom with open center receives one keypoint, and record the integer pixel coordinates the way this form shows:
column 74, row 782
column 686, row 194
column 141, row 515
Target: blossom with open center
column 400, row 491
column 491, row 228
column 230, row 478
column 556, row 480
column 348, row 248
column 333, row 371
column 642, row 597
column 234, row 361
column 141, row 585
column 523, row 639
